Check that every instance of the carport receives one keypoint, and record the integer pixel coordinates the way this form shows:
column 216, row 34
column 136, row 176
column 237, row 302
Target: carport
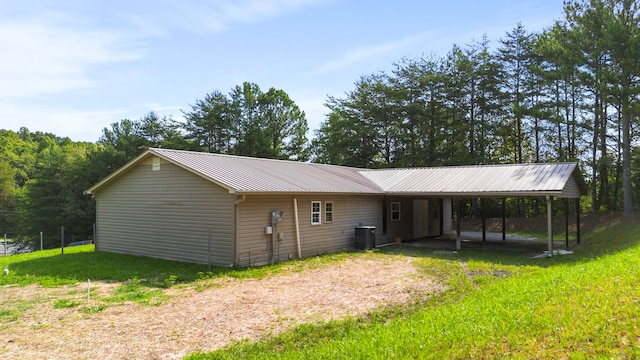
column 452, row 184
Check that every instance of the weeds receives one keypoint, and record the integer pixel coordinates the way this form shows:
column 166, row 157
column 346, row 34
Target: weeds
column 92, row 309
column 135, row 291
column 65, row 303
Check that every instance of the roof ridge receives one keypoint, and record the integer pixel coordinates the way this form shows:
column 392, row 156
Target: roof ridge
column 467, row 166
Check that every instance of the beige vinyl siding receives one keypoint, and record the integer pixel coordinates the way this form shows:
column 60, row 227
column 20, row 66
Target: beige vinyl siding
column 170, row 213
column 254, row 246
column 402, row 228
column 571, row 189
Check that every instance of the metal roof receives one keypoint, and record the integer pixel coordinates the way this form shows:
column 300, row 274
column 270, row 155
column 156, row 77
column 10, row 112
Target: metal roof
column 481, row 180
column 239, row 174
column 242, row 174
column 245, row 175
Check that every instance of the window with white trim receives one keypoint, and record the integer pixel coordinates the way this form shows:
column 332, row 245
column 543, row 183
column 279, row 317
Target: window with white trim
column 316, row 218
column 395, row 211
column 328, row 212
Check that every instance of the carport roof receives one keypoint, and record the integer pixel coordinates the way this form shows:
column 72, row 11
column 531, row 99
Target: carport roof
column 554, row 179
column 245, row 175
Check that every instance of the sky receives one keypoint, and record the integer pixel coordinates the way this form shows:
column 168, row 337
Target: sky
column 74, row 67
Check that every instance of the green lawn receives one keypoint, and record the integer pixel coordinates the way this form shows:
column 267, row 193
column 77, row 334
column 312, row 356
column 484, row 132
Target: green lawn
column 497, row 304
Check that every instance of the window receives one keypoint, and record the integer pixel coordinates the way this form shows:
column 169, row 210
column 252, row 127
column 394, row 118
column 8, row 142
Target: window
column 315, row 213
column 328, row 211
column 395, row 211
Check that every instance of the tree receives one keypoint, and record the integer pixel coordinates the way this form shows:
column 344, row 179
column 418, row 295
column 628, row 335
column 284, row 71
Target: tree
column 126, row 138
column 209, row 125
column 160, row 132
column 622, row 36
column 284, row 124
column 607, row 33
column 419, row 86
column 7, row 194
column 267, row 125
column 348, row 137
column 515, row 56
column 249, row 130
column 54, row 196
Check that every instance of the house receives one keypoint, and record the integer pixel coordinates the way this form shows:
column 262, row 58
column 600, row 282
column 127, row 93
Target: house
column 239, row 211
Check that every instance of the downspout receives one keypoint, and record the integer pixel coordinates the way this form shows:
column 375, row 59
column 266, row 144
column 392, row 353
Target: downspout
column 235, row 227
column 95, row 226
column 295, row 213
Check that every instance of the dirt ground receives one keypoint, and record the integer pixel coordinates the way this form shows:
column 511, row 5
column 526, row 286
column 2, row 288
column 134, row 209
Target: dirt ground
column 209, row 319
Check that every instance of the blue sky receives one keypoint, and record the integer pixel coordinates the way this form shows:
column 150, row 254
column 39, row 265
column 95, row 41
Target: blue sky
column 74, row 67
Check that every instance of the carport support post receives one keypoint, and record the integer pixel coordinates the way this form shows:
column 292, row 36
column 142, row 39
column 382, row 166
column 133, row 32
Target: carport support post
column 504, row 219
column 483, row 212
column 566, row 223
column 458, row 219
column 577, row 206
column 550, row 224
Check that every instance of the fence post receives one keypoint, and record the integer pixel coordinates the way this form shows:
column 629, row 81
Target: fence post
column 41, row 247
column 62, row 239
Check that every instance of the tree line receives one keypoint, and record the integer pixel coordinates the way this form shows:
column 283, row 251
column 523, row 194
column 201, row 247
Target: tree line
column 569, row 93
column 43, row 176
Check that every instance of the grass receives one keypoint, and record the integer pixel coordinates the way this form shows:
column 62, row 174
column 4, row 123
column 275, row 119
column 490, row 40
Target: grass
column 582, row 306
column 141, row 279
column 135, row 291
column 50, row 268
column 498, row 304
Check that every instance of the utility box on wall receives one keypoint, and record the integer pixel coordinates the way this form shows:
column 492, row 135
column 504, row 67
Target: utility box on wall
column 365, row 237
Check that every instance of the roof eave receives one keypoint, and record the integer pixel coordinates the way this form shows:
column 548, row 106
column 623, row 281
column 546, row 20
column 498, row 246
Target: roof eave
column 92, row 190
column 486, row 194
column 310, row 193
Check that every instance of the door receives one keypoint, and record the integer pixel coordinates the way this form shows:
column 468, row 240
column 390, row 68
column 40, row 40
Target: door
column 421, row 218
column 435, row 218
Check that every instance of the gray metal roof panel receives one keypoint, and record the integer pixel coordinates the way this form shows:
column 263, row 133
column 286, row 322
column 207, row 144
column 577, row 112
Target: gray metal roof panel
column 253, row 175
column 486, row 179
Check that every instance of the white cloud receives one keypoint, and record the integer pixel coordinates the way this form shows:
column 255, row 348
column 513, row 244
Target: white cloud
column 218, row 16
column 53, row 53
column 364, row 53
column 158, row 108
